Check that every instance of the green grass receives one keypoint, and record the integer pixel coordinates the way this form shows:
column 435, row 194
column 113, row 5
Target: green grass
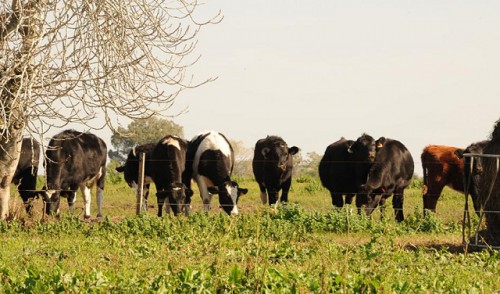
column 305, row 247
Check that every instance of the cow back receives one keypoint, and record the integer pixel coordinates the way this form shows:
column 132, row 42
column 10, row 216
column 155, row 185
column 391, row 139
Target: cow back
column 210, row 154
column 168, row 161
column 336, row 165
column 73, row 158
column 131, row 167
column 393, row 167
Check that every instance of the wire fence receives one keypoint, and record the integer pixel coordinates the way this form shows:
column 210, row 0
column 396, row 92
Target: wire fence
column 471, row 236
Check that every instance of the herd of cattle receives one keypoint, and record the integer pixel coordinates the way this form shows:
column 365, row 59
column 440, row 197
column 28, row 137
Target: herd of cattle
column 368, row 169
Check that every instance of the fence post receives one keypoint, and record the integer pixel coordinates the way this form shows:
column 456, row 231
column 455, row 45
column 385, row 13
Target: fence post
column 140, row 188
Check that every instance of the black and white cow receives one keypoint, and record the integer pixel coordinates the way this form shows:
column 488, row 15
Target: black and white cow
column 130, row 169
column 210, row 161
column 272, row 167
column 26, row 172
column 167, row 168
column 74, row 160
column 390, row 174
column 344, row 168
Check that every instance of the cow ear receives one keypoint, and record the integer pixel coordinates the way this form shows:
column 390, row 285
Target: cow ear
column 120, row 169
column 265, row 151
column 242, row 191
column 213, row 190
column 293, row 150
column 459, row 153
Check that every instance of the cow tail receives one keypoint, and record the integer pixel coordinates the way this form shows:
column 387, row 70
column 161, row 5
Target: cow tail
column 425, row 180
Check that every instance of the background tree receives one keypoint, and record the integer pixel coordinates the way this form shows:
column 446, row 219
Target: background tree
column 89, row 62
column 306, row 166
column 243, row 159
column 141, row 131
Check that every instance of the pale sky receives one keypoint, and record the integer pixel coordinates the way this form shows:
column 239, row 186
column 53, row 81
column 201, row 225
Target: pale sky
column 422, row 72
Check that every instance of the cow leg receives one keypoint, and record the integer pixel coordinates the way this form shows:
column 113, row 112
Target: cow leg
column 145, row 197
column 87, row 198
column 100, row 197
column 383, row 199
column 206, row 197
column 160, row 202
column 263, row 194
column 348, row 198
column 361, row 200
column 71, row 201
column 431, row 195
column 273, row 196
column 397, row 204
column 337, row 199
column 285, row 188
column 100, row 191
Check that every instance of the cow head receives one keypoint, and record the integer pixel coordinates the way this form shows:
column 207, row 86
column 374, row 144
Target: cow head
column 51, row 199
column 379, row 144
column 178, row 196
column 279, row 154
column 364, row 148
column 229, row 194
column 130, row 169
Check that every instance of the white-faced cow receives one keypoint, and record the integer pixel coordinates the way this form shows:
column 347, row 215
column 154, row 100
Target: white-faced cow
column 272, row 167
column 344, row 168
column 26, row 172
column 389, row 175
column 167, row 168
column 210, row 161
column 130, row 169
column 74, row 160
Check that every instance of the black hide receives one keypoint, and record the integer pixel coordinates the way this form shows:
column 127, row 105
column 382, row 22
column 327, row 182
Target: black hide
column 272, row 167
column 167, row 168
column 344, row 168
column 390, row 174
column 73, row 160
column 26, row 171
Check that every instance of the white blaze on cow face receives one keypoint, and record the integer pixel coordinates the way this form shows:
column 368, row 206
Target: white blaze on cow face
column 233, row 193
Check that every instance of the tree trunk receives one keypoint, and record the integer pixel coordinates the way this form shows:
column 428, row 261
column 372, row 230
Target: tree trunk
column 10, row 150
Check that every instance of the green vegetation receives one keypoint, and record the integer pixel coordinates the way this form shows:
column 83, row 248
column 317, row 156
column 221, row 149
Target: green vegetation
column 304, row 247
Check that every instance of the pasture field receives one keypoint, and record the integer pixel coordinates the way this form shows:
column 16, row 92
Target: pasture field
column 305, row 247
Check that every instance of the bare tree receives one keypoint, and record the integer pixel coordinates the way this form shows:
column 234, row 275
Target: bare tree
column 84, row 61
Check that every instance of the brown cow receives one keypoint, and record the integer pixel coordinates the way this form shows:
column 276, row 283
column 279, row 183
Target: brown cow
column 442, row 167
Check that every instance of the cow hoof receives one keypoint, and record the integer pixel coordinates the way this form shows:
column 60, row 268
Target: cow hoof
column 86, row 217
column 99, row 215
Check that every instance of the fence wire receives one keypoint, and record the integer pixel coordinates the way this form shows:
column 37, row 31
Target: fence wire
column 468, row 233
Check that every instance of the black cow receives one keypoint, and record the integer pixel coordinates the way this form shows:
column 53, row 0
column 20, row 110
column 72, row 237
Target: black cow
column 473, row 169
column 344, row 168
column 167, row 168
column 272, row 167
column 489, row 187
column 131, row 169
column 74, row 160
column 26, row 172
column 210, row 161
column 390, row 174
